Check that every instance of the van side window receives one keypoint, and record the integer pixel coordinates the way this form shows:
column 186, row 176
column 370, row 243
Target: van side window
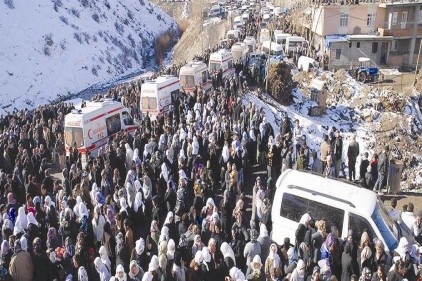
column 113, row 124
column 293, row 207
column 127, row 119
column 359, row 224
column 204, row 77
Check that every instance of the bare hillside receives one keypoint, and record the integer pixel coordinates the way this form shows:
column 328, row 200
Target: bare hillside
column 198, row 34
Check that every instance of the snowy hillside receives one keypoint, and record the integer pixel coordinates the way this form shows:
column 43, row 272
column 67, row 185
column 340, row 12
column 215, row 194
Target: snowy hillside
column 56, row 48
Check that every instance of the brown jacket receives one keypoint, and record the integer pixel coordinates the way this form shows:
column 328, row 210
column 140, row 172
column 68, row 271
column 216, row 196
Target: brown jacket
column 21, row 267
column 324, row 150
column 271, row 273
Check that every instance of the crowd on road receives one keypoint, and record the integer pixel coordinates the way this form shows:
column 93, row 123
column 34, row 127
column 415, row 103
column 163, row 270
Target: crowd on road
column 168, row 202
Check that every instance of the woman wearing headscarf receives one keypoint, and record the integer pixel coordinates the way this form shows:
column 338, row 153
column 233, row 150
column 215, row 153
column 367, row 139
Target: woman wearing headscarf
column 169, row 223
column 122, row 254
column 402, row 251
column 154, row 231
column 6, row 229
column 299, row 273
column 21, row 218
column 255, row 271
column 98, row 222
column 11, row 202
column 264, row 240
column 12, row 216
column 365, row 255
column 366, row 274
column 41, row 262
column 272, row 264
column 162, row 259
column 138, row 254
column 104, row 257
column 379, row 274
column 82, row 274
column 347, row 261
column 236, row 274
column 229, row 258
column 303, row 226
column 171, row 249
column 51, row 215
column 195, row 271
column 139, row 219
column 380, row 257
column 68, row 255
column 129, row 156
column 136, row 273
column 102, row 270
column 52, row 240
column 120, row 273
column 178, row 270
column 6, row 254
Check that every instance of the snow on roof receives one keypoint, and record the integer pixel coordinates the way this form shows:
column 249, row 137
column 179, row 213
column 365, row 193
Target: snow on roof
column 334, row 38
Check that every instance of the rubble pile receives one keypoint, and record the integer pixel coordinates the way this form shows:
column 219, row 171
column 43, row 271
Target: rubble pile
column 391, row 101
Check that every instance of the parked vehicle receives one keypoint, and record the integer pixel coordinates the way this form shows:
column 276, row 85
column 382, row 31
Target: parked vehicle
column 194, row 74
column 250, row 42
column 276, row 49
column 240, row 52
column 292, row 42
column 233, row 34
column 365, row 72
column 339, row 203
column 306, row 64
column 215, row 11
column 157, row 96
column 223, row 59
column 280, row 37
column 264, row 35
column 91, row 127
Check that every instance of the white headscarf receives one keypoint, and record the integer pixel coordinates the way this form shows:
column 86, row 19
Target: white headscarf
column 207, row 256
column 164, row 236
column 83, row 211
column 171, row 248
column 153, row 264
column 94, row 191
column 120, row 268
column 403, row 247
column 147, row 187
column 165, row 172
column 101, row 269
column 225, row 154
column 305, row 219
column 76, row 208
column 24, row 244
column 104, row 256
column 227, row 251
column 274, row 256
column 298, row 273
column 140, row 246
column 131, row 193
column 135, row 157
column 123, row 205
column 236, row 274
column 129, row 156
column 21, row 218
column 168, row 217
column 263, row 232
column 82, row 274
column 138, row 202
column 31, row 219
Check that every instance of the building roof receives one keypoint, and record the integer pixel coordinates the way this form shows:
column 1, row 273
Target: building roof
column 364, row 37
column 400, row 4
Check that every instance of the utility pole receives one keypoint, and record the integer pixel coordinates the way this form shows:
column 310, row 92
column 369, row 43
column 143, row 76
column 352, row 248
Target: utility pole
column 417, row 63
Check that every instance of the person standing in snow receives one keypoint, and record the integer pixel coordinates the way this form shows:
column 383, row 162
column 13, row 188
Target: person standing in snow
column 383, row 164
column 352, row 154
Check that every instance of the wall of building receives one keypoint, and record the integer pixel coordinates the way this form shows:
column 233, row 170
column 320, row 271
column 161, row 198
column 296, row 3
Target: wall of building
column 350, row 53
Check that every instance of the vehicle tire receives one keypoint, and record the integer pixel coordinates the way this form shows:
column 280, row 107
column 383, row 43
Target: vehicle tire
column 362, row 77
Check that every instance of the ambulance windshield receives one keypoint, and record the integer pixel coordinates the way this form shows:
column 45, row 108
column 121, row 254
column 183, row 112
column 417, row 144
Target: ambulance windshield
column 74, row 135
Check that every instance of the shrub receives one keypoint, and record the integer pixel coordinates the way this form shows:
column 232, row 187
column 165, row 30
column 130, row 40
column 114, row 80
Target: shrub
column 94, row 71
column 63, row 44
column 100, row 33
column 126, row 22
column 75, row 12
column 142, row 2
column 48, row 38
column 58, row 3
column 64, row 19
column 131, row 40
column 78, row 37
column 119, row 28
column 130, row 15
column 86, row 37
column 9, row 4
column 96, row 17
column 280, row 82
column 47, row 51
column 107, row 4
column 94, row 38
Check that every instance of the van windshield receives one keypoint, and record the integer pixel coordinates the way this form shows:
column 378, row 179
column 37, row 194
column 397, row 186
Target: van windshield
column 215, row 66
column 386, row 225
column 187, row 81
column 74, row 135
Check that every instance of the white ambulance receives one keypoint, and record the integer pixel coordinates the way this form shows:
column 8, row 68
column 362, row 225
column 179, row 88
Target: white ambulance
column 158, row 96
column 194, row 73
column 240, row 52
column 92, row 126
column 251, row 44
column 223, row 59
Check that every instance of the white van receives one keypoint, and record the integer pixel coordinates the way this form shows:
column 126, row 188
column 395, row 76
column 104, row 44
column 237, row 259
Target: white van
column 223, row 59
column 250, row 42
column 276, row 49
column 238, row 22
column 281, row 37
column 233, row 34
column 240, row 52
column 292, row 42
column 264, row 35
column 306, row 64
column 215, row 11
column 158, row 95
column 193, row 74
column 92, row 126
column 339, row 203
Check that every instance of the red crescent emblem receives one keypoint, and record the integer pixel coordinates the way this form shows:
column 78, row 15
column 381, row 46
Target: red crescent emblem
column 89, row 135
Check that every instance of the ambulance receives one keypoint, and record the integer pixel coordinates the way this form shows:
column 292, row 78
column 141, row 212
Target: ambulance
column 158, row 96
column 194, row 73
column 93, row 125
column 250, row 42
column 223, row 59
column 240, row 52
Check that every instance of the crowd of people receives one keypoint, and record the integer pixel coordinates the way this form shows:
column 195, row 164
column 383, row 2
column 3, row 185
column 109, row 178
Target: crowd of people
column 168, row 202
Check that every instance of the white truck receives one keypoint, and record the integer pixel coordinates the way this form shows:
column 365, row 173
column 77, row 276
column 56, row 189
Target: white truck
column 158, row 96
column 223, row 59
column 89, row 128
column 250, row 42
column 194, row 73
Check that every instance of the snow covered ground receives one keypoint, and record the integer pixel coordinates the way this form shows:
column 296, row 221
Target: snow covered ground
column 348, row 116
column 54, row 48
